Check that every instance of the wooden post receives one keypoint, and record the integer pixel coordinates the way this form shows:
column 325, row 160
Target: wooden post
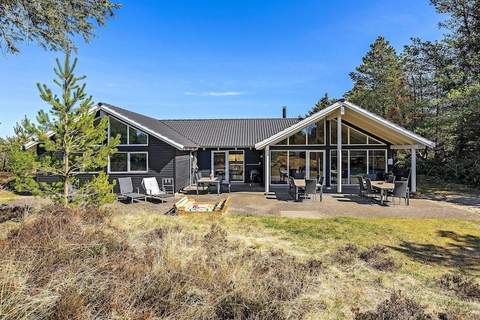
column 339, row 151
column 267, row 169
column 413, row 171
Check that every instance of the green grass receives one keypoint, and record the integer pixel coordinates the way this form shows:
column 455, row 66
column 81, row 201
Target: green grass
column 6, row 196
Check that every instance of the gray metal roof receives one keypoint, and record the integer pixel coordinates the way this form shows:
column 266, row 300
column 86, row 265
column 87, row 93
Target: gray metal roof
column 229, row 133
column 211, row 133
column 154, row 125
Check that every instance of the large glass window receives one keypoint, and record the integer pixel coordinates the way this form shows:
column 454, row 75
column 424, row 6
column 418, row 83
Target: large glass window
column 377, row 162
column 298, row 138
column 129, row 162
column 333, row 133
column 297, row 164
column 128, row 135
column 316, row 133
column 316, row 165
column 333, row 166
column 358, row 164
column 279, row 171
column 138, row 162
column 119, row 162
column 356, row 137
column 119, row 128
column 137, row 137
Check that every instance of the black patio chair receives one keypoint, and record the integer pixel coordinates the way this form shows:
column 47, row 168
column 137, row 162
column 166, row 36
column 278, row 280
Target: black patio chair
column 320, row 185
column 310, row 189
column 370, row 190
column 361, row 187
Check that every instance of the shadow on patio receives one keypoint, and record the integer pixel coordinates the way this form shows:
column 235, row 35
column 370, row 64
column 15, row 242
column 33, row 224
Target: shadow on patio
column 462, row 252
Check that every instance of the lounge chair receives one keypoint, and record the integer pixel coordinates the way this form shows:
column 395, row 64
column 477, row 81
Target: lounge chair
column 126, row 190
column 152, row 189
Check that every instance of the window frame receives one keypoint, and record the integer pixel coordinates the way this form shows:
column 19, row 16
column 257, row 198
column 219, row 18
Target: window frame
column 128, row 162
column 349, row 183
column 348, row 137
column 128, row 134
column 306, row 136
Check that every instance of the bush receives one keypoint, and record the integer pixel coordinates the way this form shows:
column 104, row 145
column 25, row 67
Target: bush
column 377, row 258
column 346, row 254
column 97, row 192
column 464, row 287
column 397, row 307
column 13, row 213
column 68, row 264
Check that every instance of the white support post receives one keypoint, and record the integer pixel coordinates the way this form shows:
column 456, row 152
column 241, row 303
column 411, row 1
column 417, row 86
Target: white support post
column 413, row 171
column 339, row 152
column 267, row 169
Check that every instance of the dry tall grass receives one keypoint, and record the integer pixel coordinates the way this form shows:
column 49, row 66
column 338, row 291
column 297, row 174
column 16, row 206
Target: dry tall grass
column 70, row 264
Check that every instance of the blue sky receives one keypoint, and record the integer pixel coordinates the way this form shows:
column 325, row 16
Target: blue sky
column 213, row 59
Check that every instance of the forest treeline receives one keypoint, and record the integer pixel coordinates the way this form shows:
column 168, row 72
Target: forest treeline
column 432, row 88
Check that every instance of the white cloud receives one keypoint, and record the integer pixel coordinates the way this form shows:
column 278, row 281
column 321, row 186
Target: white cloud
column 214, row 93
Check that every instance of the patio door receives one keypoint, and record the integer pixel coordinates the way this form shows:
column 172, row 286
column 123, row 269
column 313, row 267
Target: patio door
column 229, row 164
column 219, row 167
column 236, row 165
column 316, row 165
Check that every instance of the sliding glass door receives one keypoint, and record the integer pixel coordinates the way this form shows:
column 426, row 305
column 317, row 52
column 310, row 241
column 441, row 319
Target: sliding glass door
column 357, row 163
column 219, row 163
column 229, row 164
column 296, row 164
column 236, row 164
column 316, row 165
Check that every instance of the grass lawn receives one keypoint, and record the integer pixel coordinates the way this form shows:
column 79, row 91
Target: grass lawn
column 423, row 250
column 179, row 263
column 6, row 196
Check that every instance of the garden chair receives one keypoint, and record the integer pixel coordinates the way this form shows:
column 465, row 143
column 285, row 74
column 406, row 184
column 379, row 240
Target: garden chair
column 370, row 190
column 310, row 189
column 126, row 190
column 153, row 190
column 320, row 188
column 401, row 191
column 361, row 187
column 168, row 185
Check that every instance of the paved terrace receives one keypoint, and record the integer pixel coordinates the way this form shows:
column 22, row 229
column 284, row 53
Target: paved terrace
column 250, row 200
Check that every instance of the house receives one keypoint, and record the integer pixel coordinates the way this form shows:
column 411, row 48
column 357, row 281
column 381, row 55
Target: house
column 266, row 151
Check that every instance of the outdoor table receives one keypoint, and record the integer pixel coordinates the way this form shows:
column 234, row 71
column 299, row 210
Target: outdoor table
column 298, row 183
column 383, row 187
column 207, row 180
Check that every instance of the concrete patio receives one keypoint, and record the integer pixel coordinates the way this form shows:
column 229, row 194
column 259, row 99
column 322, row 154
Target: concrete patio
column 336, row 205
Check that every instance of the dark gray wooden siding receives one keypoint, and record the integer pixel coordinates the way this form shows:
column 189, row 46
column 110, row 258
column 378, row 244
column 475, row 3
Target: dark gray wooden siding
column 182, row 170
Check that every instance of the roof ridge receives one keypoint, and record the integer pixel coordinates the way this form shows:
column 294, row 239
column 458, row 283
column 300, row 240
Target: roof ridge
column 223, row 119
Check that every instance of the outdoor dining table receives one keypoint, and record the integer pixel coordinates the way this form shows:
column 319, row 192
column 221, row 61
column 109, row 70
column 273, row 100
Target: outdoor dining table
column 207, row 180
column 383, row 187
column 298, row 184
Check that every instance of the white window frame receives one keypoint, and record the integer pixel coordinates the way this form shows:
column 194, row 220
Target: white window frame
column 128, row 162
column 349, row 182
column 306, row 137
column 307, row 163
column 348, row 137
column 128, row 134
column 227, row 166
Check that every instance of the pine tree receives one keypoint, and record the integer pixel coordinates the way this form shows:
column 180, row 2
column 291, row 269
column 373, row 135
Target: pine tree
column 79, row 141
column 324, row 102
column 378, row 83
